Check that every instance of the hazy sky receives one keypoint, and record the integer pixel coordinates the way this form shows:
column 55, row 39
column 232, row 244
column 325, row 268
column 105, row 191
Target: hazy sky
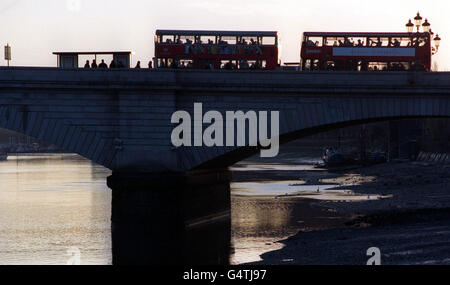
column 36, row 28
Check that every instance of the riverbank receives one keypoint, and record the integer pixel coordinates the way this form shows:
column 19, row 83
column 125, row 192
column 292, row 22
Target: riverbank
column 400, row 207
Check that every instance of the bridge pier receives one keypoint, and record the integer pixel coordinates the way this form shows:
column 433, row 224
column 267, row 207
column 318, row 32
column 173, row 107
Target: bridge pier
column 171, row 218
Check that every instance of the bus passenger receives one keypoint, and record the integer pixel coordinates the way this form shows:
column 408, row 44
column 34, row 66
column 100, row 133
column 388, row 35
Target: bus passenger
column 102, row 64
column 112, row 64
column 138, row 65
column 229, row 65
column 87, row 65
column 335, row 44
column 214, row 49
column 150, row 64
column 259, row 50
column 94, row 64
column 187, row 48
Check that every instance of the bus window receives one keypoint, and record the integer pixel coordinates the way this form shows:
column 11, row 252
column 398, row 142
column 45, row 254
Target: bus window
column 331, row 41
column 162, row 63
column 405, row 42
column 208, row 39
column 315, row 41
column 256, row 64
column 250, row 40
column 395, row 42
column 186, row 63
column 384, row 42
column 206, row 64
column 378, row 66
column 186, row 39
column 229, row 40
column 228, row 64
column 398, row 66
column 359, row 42
column 423, row 41
column 168, row 39
column 269, row 41
column 340, row 41
column 373, row 42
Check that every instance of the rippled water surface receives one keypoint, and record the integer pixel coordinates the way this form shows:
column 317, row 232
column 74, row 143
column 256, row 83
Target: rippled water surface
column 51, row 203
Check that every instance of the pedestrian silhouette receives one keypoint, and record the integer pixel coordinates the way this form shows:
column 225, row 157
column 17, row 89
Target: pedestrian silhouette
column 103, row 64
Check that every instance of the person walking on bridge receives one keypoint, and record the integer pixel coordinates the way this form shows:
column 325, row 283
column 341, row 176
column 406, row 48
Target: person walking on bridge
column 103, row 64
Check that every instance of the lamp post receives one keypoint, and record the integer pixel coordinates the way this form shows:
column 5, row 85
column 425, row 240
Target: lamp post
column 437, row 42
column 418, row 21
column 8, row 53
column 426, row 27
column 409, row 27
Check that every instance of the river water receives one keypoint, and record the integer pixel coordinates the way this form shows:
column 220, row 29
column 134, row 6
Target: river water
column 51, row 205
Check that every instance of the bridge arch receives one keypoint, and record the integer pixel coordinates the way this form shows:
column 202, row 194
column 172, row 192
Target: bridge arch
column 302, row 118
column 239, row 154
column 59, row 132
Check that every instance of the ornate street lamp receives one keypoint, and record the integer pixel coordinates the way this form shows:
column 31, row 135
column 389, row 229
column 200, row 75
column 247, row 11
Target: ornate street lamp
column 418, row 21
column 426, row 26
column 437, row 41
column 409, row 27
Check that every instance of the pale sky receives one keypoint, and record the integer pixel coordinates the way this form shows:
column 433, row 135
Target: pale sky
column 36, row 28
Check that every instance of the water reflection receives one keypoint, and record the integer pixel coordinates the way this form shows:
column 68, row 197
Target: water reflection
column 50, row 203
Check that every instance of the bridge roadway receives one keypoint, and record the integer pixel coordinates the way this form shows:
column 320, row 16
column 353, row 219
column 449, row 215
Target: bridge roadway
column 121, row 119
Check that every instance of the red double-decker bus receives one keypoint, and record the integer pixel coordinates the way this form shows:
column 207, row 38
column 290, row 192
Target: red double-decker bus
column 366, row 51
column 216, row 50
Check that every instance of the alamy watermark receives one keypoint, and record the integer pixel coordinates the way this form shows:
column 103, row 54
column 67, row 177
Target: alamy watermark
column 375, row 256
column 231, row 131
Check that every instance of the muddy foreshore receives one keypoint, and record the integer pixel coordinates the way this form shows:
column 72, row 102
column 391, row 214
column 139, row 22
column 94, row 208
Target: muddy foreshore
column 406, row 215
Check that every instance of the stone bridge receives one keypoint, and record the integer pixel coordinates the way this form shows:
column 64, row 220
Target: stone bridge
column 121, row 119
column 168, row 201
